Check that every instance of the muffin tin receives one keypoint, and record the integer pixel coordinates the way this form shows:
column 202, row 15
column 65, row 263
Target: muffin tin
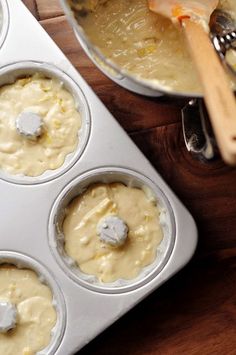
column 32, row 208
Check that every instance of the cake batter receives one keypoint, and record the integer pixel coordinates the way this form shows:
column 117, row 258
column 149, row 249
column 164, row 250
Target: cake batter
column 142, row 43
column 55, row 107
column 92, row 254
column 35, row 313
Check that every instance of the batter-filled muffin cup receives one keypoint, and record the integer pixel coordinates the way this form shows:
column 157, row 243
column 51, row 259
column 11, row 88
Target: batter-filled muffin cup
column 31, row 306
column 112, row 230
column 44, row 119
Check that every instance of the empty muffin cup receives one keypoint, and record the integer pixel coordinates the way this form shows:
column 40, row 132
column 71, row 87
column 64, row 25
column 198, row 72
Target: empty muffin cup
column 45, row 122
column 31, row 305
column 112, row 230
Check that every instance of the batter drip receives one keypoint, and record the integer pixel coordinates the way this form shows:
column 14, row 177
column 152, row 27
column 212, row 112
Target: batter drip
column 47, row 98
column 36, row 315
column 95, row 257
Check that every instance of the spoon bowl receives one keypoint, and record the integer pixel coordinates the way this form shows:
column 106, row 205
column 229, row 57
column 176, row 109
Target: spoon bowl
column 221, row 23
column 223, row 30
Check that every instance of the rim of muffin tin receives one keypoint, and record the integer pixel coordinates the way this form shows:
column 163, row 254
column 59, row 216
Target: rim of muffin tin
column 110, row 68
column 4, row 11
column 9, row 74
column 22, row 261
column 79, row 185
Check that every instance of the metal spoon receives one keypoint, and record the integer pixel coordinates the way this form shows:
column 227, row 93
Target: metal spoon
column 223, row 31
column 221, row 23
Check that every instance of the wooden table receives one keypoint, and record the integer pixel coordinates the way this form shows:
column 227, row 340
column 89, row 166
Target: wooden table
column 195, row 312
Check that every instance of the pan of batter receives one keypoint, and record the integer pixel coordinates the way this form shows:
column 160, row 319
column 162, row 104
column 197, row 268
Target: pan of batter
column 141, row 51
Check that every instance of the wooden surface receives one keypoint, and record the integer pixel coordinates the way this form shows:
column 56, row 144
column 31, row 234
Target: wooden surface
column 195, row 312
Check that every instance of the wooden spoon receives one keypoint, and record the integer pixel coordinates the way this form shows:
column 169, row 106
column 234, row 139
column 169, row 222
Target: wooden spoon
column 193, row 17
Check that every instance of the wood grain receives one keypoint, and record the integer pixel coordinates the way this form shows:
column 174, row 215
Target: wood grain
column 195, row 312
column 32, row 6
column 48, row 9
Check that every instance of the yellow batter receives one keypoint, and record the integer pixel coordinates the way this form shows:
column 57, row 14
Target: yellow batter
column 48, row 98
column 135, row 208
column 142, row 43
column 36, row 315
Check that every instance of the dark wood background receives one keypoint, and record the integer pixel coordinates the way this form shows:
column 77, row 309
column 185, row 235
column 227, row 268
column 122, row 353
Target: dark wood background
column 195, row 312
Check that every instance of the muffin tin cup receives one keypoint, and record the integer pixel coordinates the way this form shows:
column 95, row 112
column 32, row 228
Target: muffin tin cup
column 29, row 207
column 9, row 74
column 4, row 21
column 22, row 261
column 108, row 175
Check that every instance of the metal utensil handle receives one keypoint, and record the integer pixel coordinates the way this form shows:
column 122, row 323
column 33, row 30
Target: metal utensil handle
column 222, row 44
column 228, row 40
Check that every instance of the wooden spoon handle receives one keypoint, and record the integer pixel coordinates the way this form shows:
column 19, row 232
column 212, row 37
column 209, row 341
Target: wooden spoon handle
column 219, row 98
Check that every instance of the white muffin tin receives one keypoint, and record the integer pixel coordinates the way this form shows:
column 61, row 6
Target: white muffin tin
column 29, row 208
